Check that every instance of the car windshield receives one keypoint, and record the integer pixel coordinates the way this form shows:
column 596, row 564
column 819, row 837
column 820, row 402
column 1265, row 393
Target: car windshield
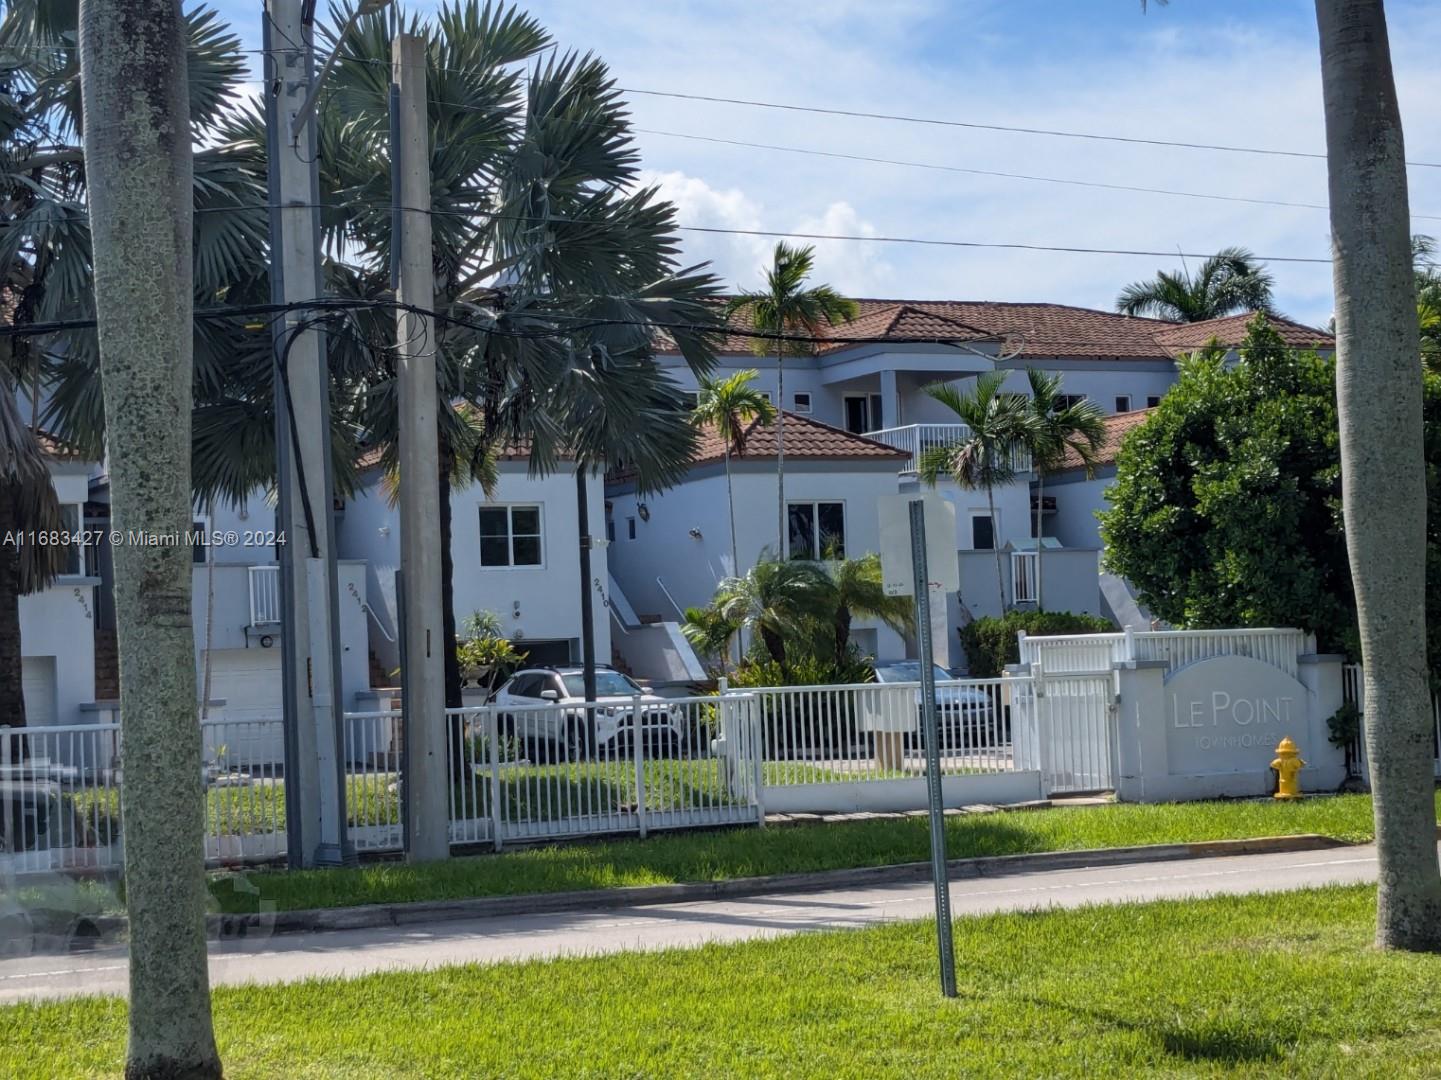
column 908, row 671
column 607, row 684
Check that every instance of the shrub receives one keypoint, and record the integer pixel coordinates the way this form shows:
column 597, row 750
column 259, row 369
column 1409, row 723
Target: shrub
column 807, row 723
column 990, row 643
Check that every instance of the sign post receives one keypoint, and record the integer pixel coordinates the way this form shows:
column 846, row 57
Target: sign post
column 920, row 585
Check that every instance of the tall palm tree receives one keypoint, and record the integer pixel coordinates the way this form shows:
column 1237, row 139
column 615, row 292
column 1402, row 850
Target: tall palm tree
column 1229, row 281
column 27, row 502
column 786, row 307
column 998, row 423
column 710, row 633
column 857, row 592
column 731, row 405
column 1055, row 427
column 1379, row 391
column 774, row 600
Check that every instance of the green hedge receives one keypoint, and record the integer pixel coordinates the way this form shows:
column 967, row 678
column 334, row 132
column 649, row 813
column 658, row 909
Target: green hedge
column 990, row 643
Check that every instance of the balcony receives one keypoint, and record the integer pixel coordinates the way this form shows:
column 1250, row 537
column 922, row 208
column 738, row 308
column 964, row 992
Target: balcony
column 917, row 439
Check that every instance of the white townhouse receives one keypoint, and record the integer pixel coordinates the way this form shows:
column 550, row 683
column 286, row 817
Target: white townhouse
column 875, row 387
column 516, row 554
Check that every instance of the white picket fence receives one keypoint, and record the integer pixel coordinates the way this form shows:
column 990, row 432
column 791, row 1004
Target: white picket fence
column 1097, row 652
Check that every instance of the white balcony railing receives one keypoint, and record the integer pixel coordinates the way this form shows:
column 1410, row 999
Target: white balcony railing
column 916, row 439
column 264, row 595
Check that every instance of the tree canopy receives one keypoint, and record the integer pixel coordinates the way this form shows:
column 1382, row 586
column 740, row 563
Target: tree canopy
column 1226, row 510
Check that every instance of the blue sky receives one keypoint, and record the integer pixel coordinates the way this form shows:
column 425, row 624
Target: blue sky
column 1217, row 71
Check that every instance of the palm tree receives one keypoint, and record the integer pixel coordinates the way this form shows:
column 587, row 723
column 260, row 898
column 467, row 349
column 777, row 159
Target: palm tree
column 1056, row 427
column 856, row 592
column 998, row 423
column 1379, row 390
column 731, row 406
column 27, row 502
column 774, row 600
column 710, row 633
column 1229, row 281
column 785, row 307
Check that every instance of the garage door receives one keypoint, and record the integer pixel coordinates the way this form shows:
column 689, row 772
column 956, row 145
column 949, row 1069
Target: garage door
column 248, row 681
column 37, row 683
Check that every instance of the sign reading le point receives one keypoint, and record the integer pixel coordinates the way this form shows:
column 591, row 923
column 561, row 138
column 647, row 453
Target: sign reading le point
column 942, row 567
column 1222, row 712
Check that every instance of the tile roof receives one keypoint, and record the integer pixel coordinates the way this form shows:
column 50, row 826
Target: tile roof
column 1231, row 331
column 1029, row 329
column 1118, row 426
column 805, row 438
column 371, row 456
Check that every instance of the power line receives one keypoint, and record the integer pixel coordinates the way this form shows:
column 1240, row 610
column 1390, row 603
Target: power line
column 990, row 172
column 976, row 125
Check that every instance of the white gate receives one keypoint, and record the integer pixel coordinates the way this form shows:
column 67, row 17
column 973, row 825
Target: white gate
column 1066, row 725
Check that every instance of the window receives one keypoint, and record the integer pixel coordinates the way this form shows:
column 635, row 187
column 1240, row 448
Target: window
column 802, row 403
column 768, row 396
column 690, row 399
column 1023, row 577
column 630, row 528
column 863, row 413
column 817, row 530
column 1123, row 402
column 1067, row 401
column 610, row 530
column 70, row 519
column 1153, row 401
column 200, row 549
column 983, row 532
column 510, row 536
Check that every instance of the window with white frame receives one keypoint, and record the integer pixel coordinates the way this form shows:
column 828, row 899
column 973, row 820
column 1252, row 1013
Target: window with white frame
column 1067, row 401
column 1153, row 400
column 70, row 519
column 801, row 403
column 1023, row 577
column 983, row 532
column 817, row 530
column 1123, row 402
column 510, row 536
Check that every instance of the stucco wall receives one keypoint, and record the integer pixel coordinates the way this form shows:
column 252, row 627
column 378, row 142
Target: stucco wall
column 1072, row 581
column 541, row 603
column 1074, row 523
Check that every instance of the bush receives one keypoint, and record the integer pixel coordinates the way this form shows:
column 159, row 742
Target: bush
column 990, row 643
column 807, row 723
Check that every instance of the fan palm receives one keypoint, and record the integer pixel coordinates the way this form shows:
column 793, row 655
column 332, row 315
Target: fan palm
column 710, row 633
column 997, row 423
column 774, row 600
column 1229, row 281
column 786, row 307
column 731, row 406
column 1057, row 426
column 857, row 592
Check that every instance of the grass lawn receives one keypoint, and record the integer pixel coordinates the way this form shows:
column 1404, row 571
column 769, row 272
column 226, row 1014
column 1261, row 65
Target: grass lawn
column 747, row 852
column 1250, row 986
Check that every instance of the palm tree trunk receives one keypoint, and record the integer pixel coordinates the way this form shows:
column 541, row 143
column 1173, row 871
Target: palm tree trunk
column 1040, row 547
column 996, row 548
column 135, row 91
column 780, row 454
column 587, row 606
column 12, row 697
column 1378, row 384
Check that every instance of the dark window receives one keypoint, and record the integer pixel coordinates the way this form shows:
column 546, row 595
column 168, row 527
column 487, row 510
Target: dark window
column 610, row 530
column 630, row 528
column 802, row 403
column 1123, row 402
column 1153, row 401
column 863, row 413
column 526, row 686
column 983, row 532
column 74, row 554
column 1066, row 401
column 510, row 536
column 816, row 530
column 198, row 550
column 690, row 399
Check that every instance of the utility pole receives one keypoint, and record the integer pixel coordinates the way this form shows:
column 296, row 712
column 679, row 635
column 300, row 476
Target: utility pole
column 427, row 779
column 314, row 742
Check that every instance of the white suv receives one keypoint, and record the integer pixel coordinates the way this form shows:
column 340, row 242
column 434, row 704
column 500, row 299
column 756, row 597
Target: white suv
column 569, row 724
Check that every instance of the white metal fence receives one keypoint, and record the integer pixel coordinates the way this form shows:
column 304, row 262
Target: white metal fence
column 1097, row 652
column 264, row 595
column 1353, row 689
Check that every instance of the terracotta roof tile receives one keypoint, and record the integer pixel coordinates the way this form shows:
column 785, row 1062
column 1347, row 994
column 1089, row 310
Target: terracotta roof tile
column 805, row 438
column 1118, row 426
column 1231, row 331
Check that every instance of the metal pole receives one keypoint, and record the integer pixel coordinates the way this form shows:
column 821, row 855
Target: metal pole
column 310, row 639
column 427, row 782
column 931, row 727
column 587, row 606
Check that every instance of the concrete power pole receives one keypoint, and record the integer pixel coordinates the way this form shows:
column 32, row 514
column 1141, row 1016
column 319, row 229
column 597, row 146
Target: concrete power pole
column 314, row 744
column 427, row 779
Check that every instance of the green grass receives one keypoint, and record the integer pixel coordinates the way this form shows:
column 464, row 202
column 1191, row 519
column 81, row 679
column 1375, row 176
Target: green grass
column 747, row 852
column 1241, row 986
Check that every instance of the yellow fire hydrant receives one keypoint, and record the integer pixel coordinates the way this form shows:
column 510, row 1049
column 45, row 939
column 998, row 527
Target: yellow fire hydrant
column 1288, row 766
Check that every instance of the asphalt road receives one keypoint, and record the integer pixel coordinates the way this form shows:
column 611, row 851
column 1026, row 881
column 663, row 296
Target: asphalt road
column 353, row 952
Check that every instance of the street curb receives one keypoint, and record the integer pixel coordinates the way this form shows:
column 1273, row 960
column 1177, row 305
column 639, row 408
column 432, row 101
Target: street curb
column 426, row 911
